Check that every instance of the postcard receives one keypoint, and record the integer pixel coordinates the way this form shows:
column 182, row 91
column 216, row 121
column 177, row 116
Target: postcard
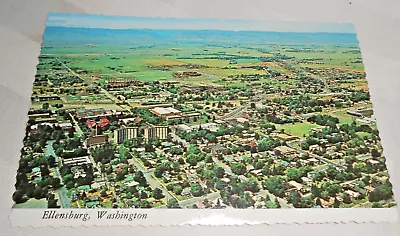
column 171, row 121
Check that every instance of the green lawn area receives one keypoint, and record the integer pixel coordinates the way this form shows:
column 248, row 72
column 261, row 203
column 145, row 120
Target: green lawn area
column 158, row 204
column 150, row 75
column 298, row 129
column 181, row 198
column 344, row 118
column 74, row 205
column 363, row 134
column 32, row 203
column 123, row 151
column 106, row 204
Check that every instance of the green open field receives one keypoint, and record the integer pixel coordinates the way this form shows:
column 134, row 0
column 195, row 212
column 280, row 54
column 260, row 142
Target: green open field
column 344, row 118
column 363, row 134
column 297, row 129
column 160, row 61
column 331, row 57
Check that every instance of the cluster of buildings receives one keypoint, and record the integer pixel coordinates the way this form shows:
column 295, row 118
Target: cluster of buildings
column 361, row 112
column 365, row 115
column 186, row 74
column 147, row 132
column 45, row 97
column 166, row 112
column 122, row 83
column 170, row 113
column 103, row 122
column 95, row 113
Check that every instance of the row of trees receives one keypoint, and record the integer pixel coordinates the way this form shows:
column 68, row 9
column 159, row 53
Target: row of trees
column 324, row 120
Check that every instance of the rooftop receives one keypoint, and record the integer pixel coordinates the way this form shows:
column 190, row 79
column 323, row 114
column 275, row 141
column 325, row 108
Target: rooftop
column 165, row 110
column 293, row 183
column 284, row 149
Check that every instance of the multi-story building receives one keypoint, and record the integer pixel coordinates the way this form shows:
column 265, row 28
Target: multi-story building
column 148, row 132
column 155, row 132
column 124, row 133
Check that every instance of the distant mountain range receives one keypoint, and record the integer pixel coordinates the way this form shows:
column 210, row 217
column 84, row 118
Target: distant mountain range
column 66, row 35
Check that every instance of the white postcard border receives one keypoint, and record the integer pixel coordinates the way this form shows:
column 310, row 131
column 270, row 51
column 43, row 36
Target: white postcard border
column 295, row 215
column 180, row 217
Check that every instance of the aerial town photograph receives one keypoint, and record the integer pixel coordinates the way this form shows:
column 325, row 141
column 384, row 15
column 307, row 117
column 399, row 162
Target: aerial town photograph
column 132, row 112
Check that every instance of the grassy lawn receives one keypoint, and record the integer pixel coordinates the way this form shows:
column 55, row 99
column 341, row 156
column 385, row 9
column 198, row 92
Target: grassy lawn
column 32, row 203
column 151, row 75
column 363, row 134
column 343, row 117
column 74, row 205
column 358, row 203
column 181, row 198
column 158, row 204
column 298, row 129
column 106, row 204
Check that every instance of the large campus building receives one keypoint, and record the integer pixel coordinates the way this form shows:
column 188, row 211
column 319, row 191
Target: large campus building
column 93, row 140
column 148, row 132
column 167, row 112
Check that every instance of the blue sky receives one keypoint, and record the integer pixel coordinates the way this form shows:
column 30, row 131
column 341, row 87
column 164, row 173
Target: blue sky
column 130, row 22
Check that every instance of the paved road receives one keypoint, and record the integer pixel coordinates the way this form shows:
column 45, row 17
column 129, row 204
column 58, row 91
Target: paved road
column 64, row 200
column 239, row 110
column 154, row 183
column 76, row 125
column 282, row 202
column 63, row 197
column 321, row 167
column 80, row 133
column 235, row 112
column 90, row 82
column 317, row 157
column 364, row 157
column 191, row 201
column 49, row 151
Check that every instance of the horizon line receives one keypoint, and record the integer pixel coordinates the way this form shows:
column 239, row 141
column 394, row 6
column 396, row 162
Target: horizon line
column 69, row 20
column 226, row 30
